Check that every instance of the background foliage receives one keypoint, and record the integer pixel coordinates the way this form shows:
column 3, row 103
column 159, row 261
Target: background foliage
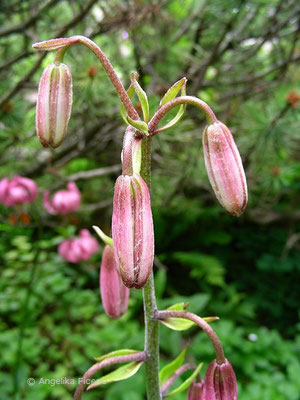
column 242, row 58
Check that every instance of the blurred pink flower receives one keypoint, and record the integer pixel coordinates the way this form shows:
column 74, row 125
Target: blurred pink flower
column 63, row 201
column 79, row 249
column 18, row 190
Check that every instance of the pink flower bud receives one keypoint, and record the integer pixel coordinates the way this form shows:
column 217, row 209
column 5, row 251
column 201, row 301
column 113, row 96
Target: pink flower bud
column 114, row 293
column 196, row 391
column 79, row 249
column 224, row 168
column 132, row 230
column 63, row 201
column 53, row 108
column 220, row 382
column 18, row 190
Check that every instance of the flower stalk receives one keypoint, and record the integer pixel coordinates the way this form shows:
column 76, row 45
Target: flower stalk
column 65, row 43
column 162, row 111
column 220, row 357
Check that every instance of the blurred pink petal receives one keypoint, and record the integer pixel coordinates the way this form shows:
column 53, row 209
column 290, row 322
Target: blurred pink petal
column 63, row 201
column 79, row 249
column 18, row 190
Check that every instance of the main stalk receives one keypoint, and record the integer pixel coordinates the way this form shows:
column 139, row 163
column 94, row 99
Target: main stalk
column 151, row 326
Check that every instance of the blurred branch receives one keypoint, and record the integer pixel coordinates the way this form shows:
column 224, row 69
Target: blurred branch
column 19, row 28
column 96, row 206
column 71, row 149
column 94, row 173
column 16, row 58
column 11, row 93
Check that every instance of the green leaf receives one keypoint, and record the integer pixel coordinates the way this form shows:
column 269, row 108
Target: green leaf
column 211, row 319
column 142, row 96
column 167, row 371
column 106, row 239
column 139, row 125
column 179, row 307
column 186, row 383
column 170, row 95
column 178, row 324
column 130, row 92
column 116, row 353
column 173, row 91
column 124, row 372
column 202, row 266
column 173, row 121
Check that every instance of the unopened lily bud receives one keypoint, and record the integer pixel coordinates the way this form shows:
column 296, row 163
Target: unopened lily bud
column 196, row 391
column 220, row 382
column 54, row 103
column 224, row 168
column 132, row 230
column 114, row 293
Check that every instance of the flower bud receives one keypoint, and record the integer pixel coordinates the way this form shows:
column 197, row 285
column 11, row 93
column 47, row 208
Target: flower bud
column 54, row 102
column 196, row 391
column 224, row 168
column 132, row 230
column 220, row 382
column 114, row 293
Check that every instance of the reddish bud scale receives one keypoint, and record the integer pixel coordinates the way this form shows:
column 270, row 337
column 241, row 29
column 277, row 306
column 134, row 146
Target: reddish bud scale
column 114, row 293
column 220, row 382
column 132, row 230
column 224, row 168
column 54, row 104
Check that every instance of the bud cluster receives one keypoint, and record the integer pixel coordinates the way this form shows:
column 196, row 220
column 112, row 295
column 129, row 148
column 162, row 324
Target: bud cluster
column 128, row 256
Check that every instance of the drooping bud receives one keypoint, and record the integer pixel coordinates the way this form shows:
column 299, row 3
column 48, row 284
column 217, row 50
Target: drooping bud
column 196, row 391
column 224, row 168
column 220, row 382
column 132, row 230
column 54, row 103
column 114, row 293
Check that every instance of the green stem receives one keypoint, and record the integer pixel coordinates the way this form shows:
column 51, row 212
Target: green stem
column 151, row 326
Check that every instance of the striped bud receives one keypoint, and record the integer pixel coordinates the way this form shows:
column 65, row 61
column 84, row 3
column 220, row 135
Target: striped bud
column 220, row 382
column 132, row 230
column 114, row 293
column 224, row 168
column 54, row 102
